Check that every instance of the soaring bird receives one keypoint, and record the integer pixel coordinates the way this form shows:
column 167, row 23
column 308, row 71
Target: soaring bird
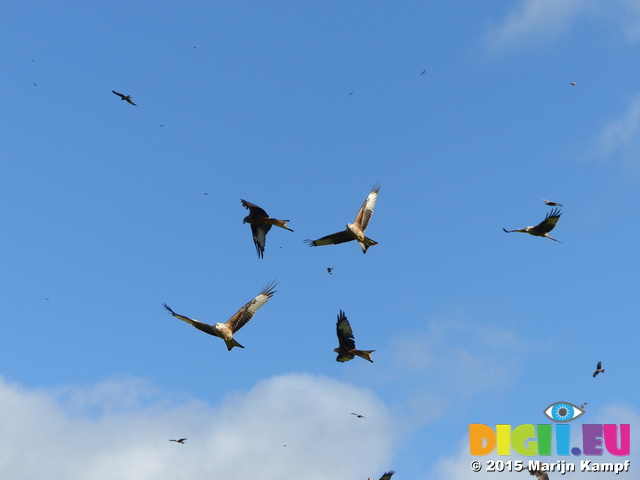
column 355, row 230
column 347, row 349
column 260, row 225
column 544, row 227
column 572, row 83
column 182, row 440
column 124, row 97
column 386, row 475
column 550, row 203
column 582, row 406
column 599, row 369
column 539, row 474
column 235, row 323
column 357, row 415
column 329, row 269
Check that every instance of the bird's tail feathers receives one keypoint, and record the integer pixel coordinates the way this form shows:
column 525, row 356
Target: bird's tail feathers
column 280, row 223
column 364, row 245
column 366, row 354
column 232, row 343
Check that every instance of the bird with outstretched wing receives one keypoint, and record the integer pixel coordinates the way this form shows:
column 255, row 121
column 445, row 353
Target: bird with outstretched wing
column 260, row 225
column 544, row 227
column 235, row 323
column 539, row 474
column 599, row 369
column 124, row 97
column 550, row 203
column 355, row 230
column 182, row 440
column 347, row 345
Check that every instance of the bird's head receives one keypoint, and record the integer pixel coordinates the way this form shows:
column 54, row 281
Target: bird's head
column 337, row 350
column 246, row 219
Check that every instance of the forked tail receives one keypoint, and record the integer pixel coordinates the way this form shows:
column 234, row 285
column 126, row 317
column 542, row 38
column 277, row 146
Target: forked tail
column 366, row 354
column 280, row 223
column 364, row 245
column 232, row 343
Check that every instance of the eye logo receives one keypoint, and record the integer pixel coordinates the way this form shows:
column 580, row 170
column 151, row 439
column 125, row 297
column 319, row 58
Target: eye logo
column 563, row 412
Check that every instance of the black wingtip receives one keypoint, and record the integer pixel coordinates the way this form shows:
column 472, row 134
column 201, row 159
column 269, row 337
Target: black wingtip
column 309, row 242
column 168, row 309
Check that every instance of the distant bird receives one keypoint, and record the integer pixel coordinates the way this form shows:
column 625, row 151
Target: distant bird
column 544, row 227
column 539, row 474
column 351, row 93
column 359, row 416
column 329, row 270
column 162, row 125
column 182, row 440
column 35, row 84
column 385, row 476
column 572, row 83
column 599, row 369
column 423, row 72
column 582, row 406
column 347, row 349
column 206, row 194
column 235, row 323
column 550, row 203
column 32, row 60
column 124, row 97
column 260, row 225
column 46, row 299
column 355, row 230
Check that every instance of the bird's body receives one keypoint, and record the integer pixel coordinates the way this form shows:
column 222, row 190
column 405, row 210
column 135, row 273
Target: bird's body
column 544, row 227
column 347, row 346
column 539, row 474
column 260, row 225
column 357, row 415
column 550, row 203
column 599, row 369
column 355, row 230
column 235, row 323
column 182, row 440
column 572, row 83
column 124, row 97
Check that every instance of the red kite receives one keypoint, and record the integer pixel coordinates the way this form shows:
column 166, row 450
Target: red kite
column 572, row 83
column 347, row 349
column 544, row 227
column 599, row 369
column 359, row 416
column 355, row 230
column 179, row 441
column 260, row 225
column 124, row 97
column 235, row 323
column 550, row 203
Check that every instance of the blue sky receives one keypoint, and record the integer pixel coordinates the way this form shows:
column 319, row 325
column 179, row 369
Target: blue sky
column 105, row 218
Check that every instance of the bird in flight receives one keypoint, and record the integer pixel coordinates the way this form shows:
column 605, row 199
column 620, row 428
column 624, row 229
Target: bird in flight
column 599, row 369
column 582, row 406
column 539, row 474
column 544, row 227
column 423, row 72
column 260, row 225
column 386, row 475
column 359, row 416
column 182, row 440
column 124, row 97
column 347, row 349
column 35, row 84
column 329, row 270
column 351, row 93
column 355, row 230
column 235, row 323
column 572, row 83
column 550, row 203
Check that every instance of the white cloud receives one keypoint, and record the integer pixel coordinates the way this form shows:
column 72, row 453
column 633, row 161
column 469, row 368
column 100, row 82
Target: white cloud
column 46, row 435
column 451, row 361
column 536, row 20
column 458, row 466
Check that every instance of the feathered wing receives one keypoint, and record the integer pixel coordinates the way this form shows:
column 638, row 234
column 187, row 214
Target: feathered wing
column 247, row 312
column 539, row 474
column 259, row 233
column 119, row 94
column 387, row 475
column 130, row 101
column 345, row 333
column 548, row 224
column 254, row 210
column 195, row 323
column 333, row 239
column 366, row 210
